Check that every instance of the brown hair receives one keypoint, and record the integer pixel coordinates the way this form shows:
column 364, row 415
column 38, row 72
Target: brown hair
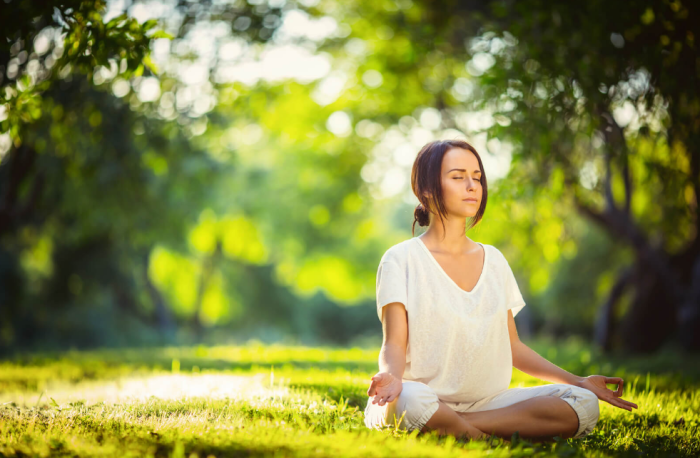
column 425, row 177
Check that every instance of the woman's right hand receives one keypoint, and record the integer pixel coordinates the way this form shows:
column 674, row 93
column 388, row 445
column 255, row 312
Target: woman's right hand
column 385, row 388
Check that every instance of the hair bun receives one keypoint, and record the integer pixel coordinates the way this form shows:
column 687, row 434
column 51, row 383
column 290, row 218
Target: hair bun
column 421, row 215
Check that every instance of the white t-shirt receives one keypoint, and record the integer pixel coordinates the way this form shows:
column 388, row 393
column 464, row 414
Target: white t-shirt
column 458, row 341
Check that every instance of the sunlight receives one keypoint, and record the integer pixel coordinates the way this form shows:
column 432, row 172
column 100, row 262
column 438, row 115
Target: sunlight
column 166, row 386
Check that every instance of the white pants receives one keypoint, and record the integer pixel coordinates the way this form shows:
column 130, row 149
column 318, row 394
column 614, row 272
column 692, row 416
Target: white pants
column 417, row 402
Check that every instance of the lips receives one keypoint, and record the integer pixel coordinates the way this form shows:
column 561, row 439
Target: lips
column 469, row 200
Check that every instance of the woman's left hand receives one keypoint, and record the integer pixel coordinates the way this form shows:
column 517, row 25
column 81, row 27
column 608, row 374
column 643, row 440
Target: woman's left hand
column 597, row 384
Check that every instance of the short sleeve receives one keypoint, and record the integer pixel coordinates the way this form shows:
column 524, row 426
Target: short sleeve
column 391, row 285
column 514, row 299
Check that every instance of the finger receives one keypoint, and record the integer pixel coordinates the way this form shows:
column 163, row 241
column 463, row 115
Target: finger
column 612, row 402
column 616, row 402
column 620, row 383
column 615, row 380
column 618, row 393
column 631, row 405
column 628, row 403
column 372, row 388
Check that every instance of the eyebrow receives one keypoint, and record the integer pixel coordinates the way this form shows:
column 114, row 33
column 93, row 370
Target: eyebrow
column 464, row 170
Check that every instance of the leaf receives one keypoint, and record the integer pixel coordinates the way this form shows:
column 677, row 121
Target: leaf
column 117, row 21
column 162, row 34
column 149, row 63
column 54, row 403
column 149, row 24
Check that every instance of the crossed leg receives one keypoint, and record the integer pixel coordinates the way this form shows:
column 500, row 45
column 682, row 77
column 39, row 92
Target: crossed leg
column 537, row 413
column 539, row 418
column 447, row 421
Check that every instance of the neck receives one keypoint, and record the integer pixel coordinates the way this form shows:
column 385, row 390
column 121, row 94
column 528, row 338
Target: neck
column 452, row 238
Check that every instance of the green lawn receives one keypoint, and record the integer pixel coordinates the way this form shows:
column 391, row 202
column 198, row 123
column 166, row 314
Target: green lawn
column 258, row 400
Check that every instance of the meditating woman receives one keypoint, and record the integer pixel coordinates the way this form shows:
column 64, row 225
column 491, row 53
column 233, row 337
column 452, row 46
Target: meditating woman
column 447, row 304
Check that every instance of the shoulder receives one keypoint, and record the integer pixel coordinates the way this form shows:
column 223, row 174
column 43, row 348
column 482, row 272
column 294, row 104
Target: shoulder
column 398, row 253
column 496, row 255
column 499, row 262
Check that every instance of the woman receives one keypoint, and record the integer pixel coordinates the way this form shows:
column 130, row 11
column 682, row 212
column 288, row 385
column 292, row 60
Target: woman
column 447, row 304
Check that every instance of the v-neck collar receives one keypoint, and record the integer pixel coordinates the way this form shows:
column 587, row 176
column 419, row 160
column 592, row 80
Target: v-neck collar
column 439, row 267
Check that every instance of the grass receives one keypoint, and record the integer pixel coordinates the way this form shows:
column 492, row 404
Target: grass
column 257, row 400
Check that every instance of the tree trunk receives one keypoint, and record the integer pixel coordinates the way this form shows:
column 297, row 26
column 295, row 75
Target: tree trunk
column 651, row 318
column 667, row 294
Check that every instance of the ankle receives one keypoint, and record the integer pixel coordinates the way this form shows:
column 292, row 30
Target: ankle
column 468, row 430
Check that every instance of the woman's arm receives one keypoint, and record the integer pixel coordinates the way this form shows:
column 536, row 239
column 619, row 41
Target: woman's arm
column 387, row 384
column 530, row 362
column 392, row 356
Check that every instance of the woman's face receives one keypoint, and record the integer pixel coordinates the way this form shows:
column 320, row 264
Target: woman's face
column 461, row 185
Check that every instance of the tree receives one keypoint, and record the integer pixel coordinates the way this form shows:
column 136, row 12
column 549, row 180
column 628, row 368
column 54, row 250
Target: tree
column 95, row 181
column 605, row 93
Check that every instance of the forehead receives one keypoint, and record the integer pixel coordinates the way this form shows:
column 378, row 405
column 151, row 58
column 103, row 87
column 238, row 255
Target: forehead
column 458, row 158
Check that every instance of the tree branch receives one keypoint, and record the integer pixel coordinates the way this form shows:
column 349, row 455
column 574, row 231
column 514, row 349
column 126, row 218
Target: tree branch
column 621, row 227
column 615, row 139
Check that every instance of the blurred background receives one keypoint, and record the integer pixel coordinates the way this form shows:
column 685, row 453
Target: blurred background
column 211, row 172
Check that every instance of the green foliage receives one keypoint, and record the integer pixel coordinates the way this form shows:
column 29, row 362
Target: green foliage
column 87, row 43
column 242, row 209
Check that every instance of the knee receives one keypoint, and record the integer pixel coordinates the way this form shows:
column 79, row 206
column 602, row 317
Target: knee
column 587, row 408
column 589, row 402
column 416, row 402
column 584, row 401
